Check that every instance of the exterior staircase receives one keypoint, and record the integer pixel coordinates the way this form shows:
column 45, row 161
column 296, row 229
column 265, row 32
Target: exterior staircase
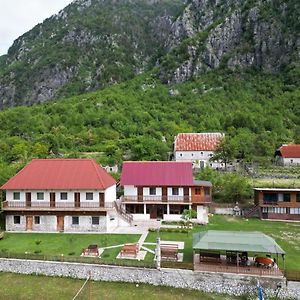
column 255, row 209
column 122, row 213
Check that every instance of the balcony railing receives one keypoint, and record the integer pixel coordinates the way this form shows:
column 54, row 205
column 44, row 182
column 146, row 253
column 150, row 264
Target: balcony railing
column 167, row 199
column 55, row 205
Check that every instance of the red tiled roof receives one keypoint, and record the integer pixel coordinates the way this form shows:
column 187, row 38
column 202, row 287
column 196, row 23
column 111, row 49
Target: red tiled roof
column 198, row 141
column 60, row 174
column 290, row 151
column 157, row 173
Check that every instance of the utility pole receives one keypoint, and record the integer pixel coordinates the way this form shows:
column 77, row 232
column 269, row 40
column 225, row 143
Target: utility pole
column 158, row 258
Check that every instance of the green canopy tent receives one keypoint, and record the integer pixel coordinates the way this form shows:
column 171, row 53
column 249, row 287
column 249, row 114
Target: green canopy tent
column 238, row 241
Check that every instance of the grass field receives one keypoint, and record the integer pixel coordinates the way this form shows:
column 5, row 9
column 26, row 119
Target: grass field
column 23, row 287
column 60, row 243
column 287, row 235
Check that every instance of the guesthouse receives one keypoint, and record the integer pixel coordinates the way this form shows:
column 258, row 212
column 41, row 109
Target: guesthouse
column 70, row 195
column 198, row 148
column 163, row 190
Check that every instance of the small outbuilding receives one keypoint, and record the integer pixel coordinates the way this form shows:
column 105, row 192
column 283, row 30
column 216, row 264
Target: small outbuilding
column 237, row 252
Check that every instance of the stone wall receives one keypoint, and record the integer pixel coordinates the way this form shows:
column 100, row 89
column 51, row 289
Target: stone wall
column 207, row 282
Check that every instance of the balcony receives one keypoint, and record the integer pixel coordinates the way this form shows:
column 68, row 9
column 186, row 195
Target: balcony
column 166, row 199
column 55, row 206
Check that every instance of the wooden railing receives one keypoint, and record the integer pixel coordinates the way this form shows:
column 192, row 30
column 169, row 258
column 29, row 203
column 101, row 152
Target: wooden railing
column 170, row 199
column 122, row 212
column 48, row 205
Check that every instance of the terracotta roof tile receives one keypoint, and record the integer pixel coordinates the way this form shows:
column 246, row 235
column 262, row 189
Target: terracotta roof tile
column 290, row 151
column 198, row 141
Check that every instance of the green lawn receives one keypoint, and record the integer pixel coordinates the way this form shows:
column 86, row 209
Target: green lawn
column 286, row 234
column 62, row 243
column 25, row 287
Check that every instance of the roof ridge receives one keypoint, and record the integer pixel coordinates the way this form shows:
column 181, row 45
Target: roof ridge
column 96, row 167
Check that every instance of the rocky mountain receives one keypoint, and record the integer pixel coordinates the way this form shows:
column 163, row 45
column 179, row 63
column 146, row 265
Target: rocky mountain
column 210, row 34
column 88, row 45
column 94, row 43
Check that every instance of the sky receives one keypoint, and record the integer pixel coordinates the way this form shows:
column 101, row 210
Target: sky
column 19, row 16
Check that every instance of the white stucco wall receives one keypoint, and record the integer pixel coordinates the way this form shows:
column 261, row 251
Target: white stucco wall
column 85, row 224
column 130, row 190
column 291, row 161
column 10, row 226
column 196, row 157
column 110, row 194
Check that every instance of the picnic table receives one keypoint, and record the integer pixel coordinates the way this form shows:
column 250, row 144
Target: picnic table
column 91, row 250
column 169, row 251
column 130, row 249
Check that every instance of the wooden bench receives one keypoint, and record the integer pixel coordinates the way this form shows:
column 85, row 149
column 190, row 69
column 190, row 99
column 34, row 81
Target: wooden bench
column 210, row 257
column 169, row 251
column 130, row 249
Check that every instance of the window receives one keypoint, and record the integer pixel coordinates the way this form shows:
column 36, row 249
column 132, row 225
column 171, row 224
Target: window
column 152, row 191
column 135, row 208
column 63, row 196
column 201, row 153
column 295, row 211
column 175, row 191
column 17, row 196
column 37, row 220
column 17, row 220
column 95, row 220
column 298, row 197
column 286, row 197
column 192, row 154
column 206, row 191
column 270, row 197
column 89, row 196
column 197, row 191
column 40, row 196
column 292, row 161
column 75, row 220
column 177, row 209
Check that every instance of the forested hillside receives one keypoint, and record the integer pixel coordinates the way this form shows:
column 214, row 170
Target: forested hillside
column 138, row 119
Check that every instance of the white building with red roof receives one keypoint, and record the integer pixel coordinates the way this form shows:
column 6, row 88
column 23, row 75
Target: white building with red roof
column 198, row 148
column 288, row 155
column 70, row 195
column 163, row 190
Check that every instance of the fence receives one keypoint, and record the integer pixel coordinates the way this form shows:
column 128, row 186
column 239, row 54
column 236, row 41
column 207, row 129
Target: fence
column 292, row 275
column 85, row 260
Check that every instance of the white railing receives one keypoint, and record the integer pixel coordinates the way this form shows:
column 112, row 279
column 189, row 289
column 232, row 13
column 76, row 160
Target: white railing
column 48, row 204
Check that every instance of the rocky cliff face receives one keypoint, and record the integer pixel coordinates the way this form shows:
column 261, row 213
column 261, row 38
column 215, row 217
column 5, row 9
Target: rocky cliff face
column 88, row 45
column 233, row 34
column 94, row 43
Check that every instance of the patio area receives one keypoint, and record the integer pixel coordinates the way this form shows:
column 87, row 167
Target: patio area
column 224, row 267
column 249, row 253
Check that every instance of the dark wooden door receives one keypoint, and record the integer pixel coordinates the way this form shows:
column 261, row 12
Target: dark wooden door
column 153, row 212
column 164, row 193
column 186, row 194
column 77, row 199
column 28, row 199
column 60, row 223
column 140, row 193
column 101, row 199
column 29, row 221
column 52, row 199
